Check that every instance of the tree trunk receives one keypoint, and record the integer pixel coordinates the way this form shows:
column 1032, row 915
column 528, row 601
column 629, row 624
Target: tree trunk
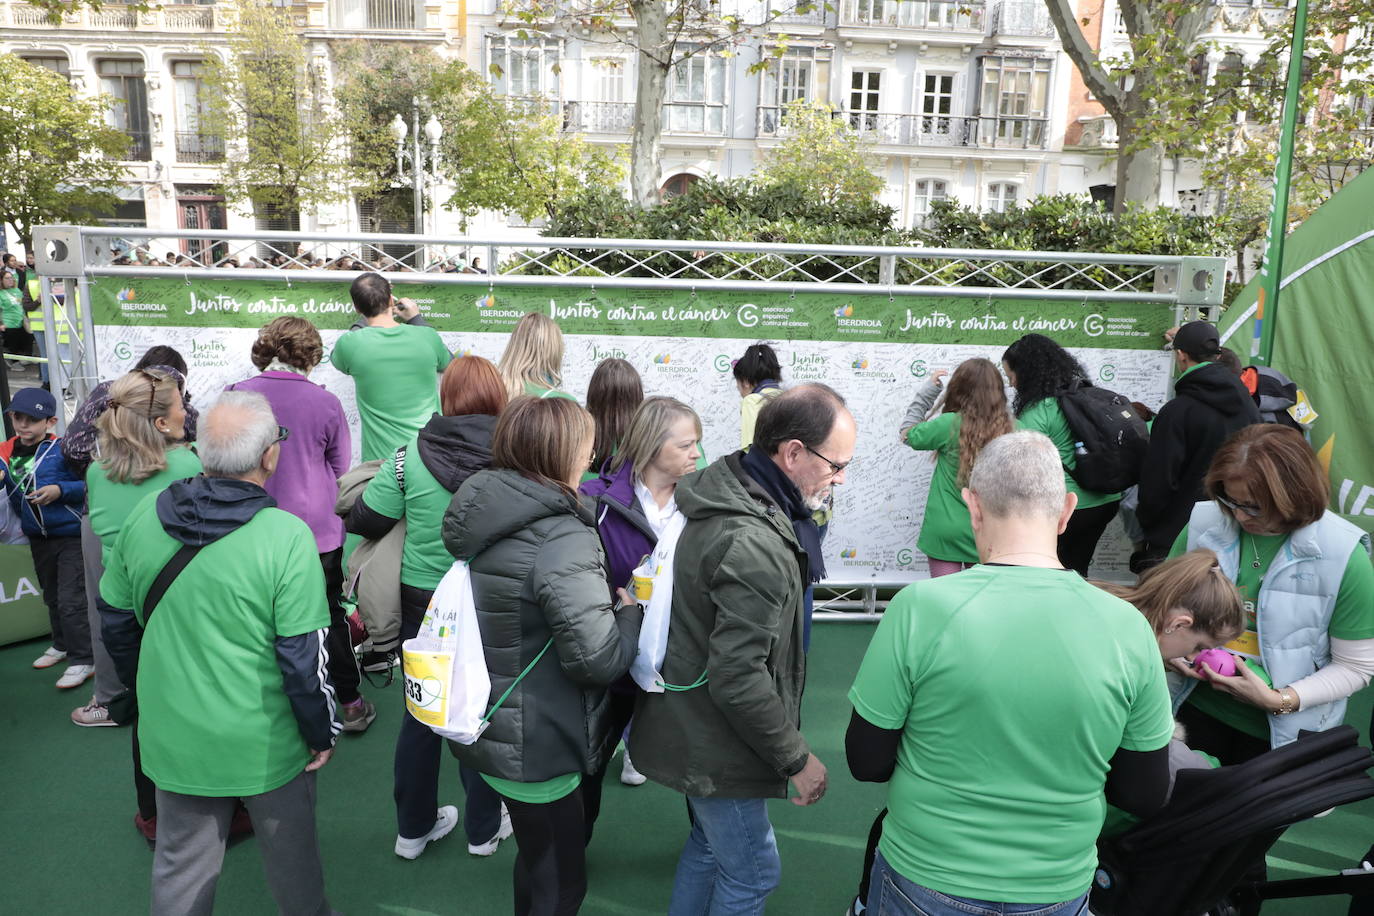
column 655, row 59
column 1137, row 177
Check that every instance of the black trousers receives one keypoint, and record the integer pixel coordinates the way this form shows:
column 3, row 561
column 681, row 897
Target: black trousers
column 622, row 710
column 551, row 868
column 343, row 664
column 62, row 576
column 1079, row 540
column 1212, row 736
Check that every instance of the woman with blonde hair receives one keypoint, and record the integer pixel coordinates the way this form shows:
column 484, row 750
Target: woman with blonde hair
column 532, row 363
column 141, row 452
column 552, row 638
column 975, row 412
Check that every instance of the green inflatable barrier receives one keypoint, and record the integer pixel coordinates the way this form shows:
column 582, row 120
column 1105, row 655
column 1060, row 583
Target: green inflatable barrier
column 22, row 612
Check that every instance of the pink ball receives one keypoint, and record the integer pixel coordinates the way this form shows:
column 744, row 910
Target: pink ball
column 1219, row 660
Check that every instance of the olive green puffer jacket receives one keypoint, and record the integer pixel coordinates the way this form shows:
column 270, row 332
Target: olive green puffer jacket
column 538, row 572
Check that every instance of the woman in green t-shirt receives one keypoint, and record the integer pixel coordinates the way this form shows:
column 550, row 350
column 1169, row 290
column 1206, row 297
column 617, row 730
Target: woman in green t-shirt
column 532, row 363
column 1039, row 369
column 141, row 449
column 16, row 339
column 974, row 413
column 1305, row 576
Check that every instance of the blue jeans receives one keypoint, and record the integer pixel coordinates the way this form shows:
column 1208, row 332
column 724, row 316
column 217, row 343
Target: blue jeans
column 730, row 863
column 890, row 894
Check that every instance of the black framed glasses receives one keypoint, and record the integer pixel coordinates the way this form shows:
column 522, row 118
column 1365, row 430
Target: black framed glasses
column 835, row 469
column 282, row 435
column 1249, row 510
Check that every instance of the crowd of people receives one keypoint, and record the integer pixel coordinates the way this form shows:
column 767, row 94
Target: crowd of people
column 1009, row 702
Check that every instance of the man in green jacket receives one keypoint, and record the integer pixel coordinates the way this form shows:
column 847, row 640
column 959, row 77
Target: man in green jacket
column 727, row 732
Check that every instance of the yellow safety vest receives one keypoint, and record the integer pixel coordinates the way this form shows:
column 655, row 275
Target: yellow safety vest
column 36, row 322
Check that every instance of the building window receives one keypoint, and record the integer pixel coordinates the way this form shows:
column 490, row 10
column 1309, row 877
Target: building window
column 696, row 95
column 610, row 78
column 799, row 75
column 194, row 143
column 677, row 185
column 937, row 103
column 864, row 96
column 1015, row 100
column 1001, row 196
column 54, row 63
column 201, row 208
column 523, row 68
column 274, row 218
column 122, row 80
column 928, row 190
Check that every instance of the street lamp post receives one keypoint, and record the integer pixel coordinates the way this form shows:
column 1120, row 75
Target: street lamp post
column 433, row 132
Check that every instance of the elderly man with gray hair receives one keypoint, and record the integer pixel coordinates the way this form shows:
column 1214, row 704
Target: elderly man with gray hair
column 234, row 699
column 1000, row 703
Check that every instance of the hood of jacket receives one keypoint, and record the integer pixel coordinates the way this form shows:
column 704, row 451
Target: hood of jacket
column 493, row 504
column 455, row 448
column 204, row 509
column 1217, row 387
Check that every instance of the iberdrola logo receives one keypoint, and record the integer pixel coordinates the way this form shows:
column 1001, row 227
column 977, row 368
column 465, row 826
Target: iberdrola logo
column 487, row 301
column 663, row 359
column 860, row 363
column 461, row 353
column 125, row 295
column 849, row 553
column 844, row 311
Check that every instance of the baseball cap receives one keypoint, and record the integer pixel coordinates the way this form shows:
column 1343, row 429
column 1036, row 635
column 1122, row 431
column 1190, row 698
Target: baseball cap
column 34, row 402
column 1199, row 339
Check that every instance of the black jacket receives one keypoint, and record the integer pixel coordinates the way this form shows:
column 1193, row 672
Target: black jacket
column 1209, row 404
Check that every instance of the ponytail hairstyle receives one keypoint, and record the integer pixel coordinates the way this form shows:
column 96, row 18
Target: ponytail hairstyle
column 132, row 448
column 758, row 364
column 975, row 392
column 1192, row 582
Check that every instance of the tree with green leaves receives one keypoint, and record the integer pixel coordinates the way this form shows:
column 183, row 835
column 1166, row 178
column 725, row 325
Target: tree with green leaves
column 286, row 150
column 1170, row 98
column 822, row 153
column 61, row 158
column 663, row 34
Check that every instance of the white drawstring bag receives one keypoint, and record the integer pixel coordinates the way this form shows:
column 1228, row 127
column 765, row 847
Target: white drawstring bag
column 647, row 668
column 447, row 686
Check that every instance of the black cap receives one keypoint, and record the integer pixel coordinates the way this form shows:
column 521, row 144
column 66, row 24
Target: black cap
column 34, row 402
column 1198, row 339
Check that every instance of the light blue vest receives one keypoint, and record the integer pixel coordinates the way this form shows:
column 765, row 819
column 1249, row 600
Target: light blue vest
column 1293, row 613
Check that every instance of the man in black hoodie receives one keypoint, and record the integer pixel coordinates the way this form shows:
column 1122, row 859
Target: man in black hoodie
column 234, row 696
column 1210, row 403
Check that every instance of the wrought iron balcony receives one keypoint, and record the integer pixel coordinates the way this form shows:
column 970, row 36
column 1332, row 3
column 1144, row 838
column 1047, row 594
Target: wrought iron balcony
column 1022, row 18
column 140, row 146
column 198, row 147
column 797, row 12
column 966, row 131
column 705, row 118
column 934, row 15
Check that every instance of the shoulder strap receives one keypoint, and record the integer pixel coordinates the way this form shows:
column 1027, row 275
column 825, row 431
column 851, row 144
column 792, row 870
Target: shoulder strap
column 401, row 468
column 166, row 577
column 516, row 683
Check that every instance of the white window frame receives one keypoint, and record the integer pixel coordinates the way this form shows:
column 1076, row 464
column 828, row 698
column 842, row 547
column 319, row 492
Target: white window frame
column 612, row 78
column 698, row 104
column 1002, row 195
column 535, row 56
column 1009, row 110
column 865, row 117
column 55, row 61
column 926, row 191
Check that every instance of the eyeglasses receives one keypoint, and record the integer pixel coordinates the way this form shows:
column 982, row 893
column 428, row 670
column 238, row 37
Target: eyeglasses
column 282, row 435
column 1251, row 511
column 835, row 469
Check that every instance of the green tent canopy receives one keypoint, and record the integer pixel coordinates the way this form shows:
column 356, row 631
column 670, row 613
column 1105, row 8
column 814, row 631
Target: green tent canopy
column 1324, row 338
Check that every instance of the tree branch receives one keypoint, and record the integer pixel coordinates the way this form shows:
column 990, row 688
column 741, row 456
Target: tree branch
column 1086, row 59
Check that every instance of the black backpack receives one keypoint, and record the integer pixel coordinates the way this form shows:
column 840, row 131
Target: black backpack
column 1110, row 439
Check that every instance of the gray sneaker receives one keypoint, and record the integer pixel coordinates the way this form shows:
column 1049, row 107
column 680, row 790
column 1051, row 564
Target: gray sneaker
column 359, row 716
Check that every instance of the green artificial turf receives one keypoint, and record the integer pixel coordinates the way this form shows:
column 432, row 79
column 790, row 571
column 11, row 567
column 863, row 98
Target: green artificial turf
column 69, row 846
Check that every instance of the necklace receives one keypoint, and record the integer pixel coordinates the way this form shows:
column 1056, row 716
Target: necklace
column 1254, row 546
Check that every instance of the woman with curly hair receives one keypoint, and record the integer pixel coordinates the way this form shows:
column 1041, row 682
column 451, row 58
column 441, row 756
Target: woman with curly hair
column 1039, row 369
column 975, row 412
column 314, row 456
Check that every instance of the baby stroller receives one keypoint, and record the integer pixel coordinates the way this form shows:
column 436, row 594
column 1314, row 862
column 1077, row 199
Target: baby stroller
column 1191, row 858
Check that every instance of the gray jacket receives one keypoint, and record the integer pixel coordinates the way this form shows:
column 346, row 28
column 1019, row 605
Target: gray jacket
column 374, row 568
column 538, row 573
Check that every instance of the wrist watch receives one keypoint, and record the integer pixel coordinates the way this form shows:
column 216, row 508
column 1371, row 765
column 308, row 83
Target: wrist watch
column 1288, row 702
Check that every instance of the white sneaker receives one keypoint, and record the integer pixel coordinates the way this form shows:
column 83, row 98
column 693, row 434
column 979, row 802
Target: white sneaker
column 502, row 832
column 49, row 658
column 444, row 822
column 628, row 774
column 75, row 676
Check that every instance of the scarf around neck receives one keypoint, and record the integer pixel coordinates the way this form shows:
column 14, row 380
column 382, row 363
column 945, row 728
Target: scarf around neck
column 785, row 493
column 766, row 385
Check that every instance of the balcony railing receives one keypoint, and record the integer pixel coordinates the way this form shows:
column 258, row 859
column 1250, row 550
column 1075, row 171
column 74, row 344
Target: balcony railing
column 797, row 12
column 975, row 131
column 176, row 17
column 198, row 147
column 376, row 14
column 140, row 146
column 936, row 15
column 1022, row 18
column 706, row 118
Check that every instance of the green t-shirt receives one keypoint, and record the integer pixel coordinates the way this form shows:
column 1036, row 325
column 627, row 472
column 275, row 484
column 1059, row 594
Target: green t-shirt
column 1044, row 416
column 395, row 380
column 214, row 719
column 424, row 558
column 946, row 533
column 544, row 391
column 535, row 793
column 11, row 307
column 1351, row 618
column 1013, row 688
column 109, row 503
